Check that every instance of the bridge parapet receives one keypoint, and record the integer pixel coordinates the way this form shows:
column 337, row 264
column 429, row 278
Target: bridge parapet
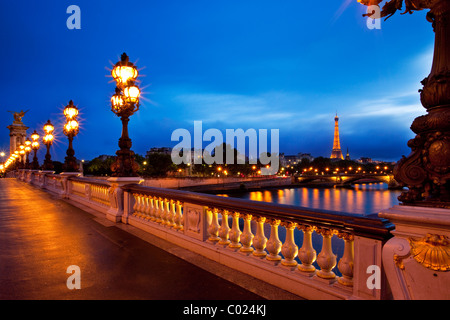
column 264, row 239
column 312, row 253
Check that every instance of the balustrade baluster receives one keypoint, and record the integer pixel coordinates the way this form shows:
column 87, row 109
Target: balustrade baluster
column 345, row 264
column 162, row 211
column 151, row 208
column 165, row 216
column 260, row 240
column 171, row 215
column 167, row 212
column 138, row 201
column 307, row 254
column 224, row 230
column 178, row 216
column 235, row 232
column 134, row 205
column 141, row 206
column 247, row 235
column 289, row 248
column 326, row 259
column 158, row 210
column 274, row 244
column 213, row 228
column 103, row 193
column 147, row 207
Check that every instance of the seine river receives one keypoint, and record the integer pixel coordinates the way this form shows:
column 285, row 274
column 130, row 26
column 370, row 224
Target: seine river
column 364, row 198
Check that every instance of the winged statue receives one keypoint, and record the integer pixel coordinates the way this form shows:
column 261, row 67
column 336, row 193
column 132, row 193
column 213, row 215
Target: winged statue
column 18, row 115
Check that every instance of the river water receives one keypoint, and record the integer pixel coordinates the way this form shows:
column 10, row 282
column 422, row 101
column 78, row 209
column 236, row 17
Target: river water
column 364, row 198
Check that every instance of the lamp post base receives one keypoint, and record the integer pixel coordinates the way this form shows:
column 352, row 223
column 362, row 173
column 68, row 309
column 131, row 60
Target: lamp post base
column 70, row 165
column 125, row 165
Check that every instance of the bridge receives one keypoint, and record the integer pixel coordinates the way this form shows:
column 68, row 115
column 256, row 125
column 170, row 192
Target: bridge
column 348, row 179
column 254, row 249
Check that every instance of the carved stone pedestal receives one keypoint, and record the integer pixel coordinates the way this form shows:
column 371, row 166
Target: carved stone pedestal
column 417, row 259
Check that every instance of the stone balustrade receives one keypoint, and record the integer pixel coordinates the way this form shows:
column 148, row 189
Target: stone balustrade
column 314, row 254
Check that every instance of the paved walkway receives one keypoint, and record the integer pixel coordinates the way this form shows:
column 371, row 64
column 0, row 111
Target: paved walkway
column 41, row 236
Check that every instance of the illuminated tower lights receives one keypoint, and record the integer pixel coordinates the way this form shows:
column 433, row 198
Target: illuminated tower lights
column 336, row 153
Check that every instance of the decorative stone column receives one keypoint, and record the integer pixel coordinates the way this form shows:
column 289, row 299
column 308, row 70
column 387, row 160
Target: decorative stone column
column 115, row 211
column 17, row 133
column 65, row 176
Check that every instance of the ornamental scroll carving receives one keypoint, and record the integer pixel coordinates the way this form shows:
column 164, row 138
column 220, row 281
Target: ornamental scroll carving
column 432, row 252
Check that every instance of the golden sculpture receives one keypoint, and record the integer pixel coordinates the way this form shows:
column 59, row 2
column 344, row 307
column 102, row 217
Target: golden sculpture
column 18, row 116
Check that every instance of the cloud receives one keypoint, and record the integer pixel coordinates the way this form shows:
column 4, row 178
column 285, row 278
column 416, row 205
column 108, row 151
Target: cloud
column 395, row 106
column 269, row 109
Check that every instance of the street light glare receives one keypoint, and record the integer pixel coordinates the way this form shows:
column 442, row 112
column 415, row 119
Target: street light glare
column 123, row 74
column 132, row 93
column 48, row 127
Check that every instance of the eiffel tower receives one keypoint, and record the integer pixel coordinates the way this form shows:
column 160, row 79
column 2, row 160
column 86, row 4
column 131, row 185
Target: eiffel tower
column 336, row 153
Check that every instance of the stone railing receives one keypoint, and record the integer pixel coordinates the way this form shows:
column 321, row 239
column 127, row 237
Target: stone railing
column 314, row 254
column 290, row 247
column 91, row 192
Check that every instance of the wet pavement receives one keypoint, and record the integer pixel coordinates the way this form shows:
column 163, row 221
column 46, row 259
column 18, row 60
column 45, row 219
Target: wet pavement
column 41, row 236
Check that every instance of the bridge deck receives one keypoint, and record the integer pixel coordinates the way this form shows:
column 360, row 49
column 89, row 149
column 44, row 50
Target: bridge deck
column 41, row 236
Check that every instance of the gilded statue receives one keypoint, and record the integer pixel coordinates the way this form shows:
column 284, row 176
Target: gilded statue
column 18, row 116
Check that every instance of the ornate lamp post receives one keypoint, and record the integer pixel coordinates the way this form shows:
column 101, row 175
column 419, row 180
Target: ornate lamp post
column 35, row 147
column 124, row 103
column 426, row 171
column 48, row 141
column 22, row 156
column 16, row 159
column 421, row 234
column 27, row 153
column 71, row 129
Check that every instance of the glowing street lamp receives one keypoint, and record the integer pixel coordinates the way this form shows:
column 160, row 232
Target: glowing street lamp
column 35, row 147
column 124, row 103
column 71, row 129
column 48, row 141
column 27, row 149
column 21, row 154
column 124, row 70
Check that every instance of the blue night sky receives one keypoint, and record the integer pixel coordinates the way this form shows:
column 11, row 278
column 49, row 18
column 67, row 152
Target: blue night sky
column 287, row 65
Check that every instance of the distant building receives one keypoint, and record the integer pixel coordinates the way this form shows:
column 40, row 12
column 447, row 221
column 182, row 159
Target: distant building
column 286, row 161
column 365, row 160
column 292, row 160
column 301, row 156
column 347, row 156
column 163, row 150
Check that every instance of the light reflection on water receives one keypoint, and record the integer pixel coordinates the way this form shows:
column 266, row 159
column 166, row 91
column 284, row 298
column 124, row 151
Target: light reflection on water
column 365, row 198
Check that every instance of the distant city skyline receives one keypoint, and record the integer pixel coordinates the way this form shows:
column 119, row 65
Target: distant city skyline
column 240, row 64
column 292, row 152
